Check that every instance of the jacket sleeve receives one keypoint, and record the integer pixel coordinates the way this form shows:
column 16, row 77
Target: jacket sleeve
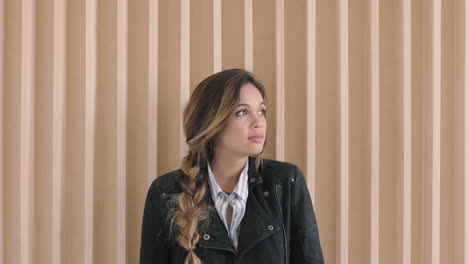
column 305, row 244
column 154, row 247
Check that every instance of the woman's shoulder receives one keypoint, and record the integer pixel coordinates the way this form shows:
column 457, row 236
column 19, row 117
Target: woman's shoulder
column 281, row 171
column 167, row 182
column 278, row 165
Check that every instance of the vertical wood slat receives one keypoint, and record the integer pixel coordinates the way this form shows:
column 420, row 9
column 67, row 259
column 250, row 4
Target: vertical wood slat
column 436, row 130
column 375, row 131
column 465, row 137
column 344, row 135
column 2, row 92
column 90, row 117
column 407, row 131
column 153, row 88
column 58, row 127
column 460, row 133
column 311, row 124
column 216, row 35
column 26, row 130
column 280, row 73
column 122, row 83
column 184, row 69
column 248, row 35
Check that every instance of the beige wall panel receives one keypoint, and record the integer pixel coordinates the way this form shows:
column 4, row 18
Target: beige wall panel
column 58, row 125
column 232, row 34
column 11, row 135
column 201, row 41
column 427, row 111
column 73, row 231
column 121, row 128
column 153, row 77
column 343, row 183
column 74, row 188
column 459, row 125
column 169, row 86
column 295, row 82
column 43, row 123
column 264, row 51
column 311, row 27
column 184, row 88
column 2, row 89
column 417, row 83
column 280, row 78
column 327, row 84
column 137, row 127
column 217, row 38
column 431, row 124
column 435, row 115
column 390, row 132
column 27, row 131
column 248, row 35
column 465, row 137
column 404, row 186
column 91, row 86
column 105, row 180
column 447, row 169
column 359, row 131
column 375, row 130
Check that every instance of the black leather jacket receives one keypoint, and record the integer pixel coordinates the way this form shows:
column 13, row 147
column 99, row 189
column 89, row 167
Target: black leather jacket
column 278, row 226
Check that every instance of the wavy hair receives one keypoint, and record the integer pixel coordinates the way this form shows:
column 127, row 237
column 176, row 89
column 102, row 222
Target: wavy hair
column 210, row 105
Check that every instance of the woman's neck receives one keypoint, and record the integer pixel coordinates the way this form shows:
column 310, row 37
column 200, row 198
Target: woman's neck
column 226, row 170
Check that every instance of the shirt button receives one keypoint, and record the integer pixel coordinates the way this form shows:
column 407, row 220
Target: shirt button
column 270, row 227
column 252, row 179
column 206, row 237
column 266, row 193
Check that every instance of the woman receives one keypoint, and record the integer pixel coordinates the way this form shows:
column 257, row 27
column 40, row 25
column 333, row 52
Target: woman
column 226, row 204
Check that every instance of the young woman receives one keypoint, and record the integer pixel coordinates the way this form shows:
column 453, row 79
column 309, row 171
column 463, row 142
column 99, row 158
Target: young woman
column 226, row 204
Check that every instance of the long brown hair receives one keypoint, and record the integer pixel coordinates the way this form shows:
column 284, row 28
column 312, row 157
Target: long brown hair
column 210, row 105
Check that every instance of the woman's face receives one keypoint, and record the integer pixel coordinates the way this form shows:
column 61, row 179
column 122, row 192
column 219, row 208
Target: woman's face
column 244, row 131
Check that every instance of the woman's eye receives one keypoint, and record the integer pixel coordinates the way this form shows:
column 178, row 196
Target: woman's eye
column 241, row 113
column 244, row 112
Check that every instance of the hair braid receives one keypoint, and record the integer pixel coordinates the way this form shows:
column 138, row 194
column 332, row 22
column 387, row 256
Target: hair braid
column 192, row 209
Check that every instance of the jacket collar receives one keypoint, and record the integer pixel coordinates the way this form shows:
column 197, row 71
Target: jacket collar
column 254, row 175
column 255, row 225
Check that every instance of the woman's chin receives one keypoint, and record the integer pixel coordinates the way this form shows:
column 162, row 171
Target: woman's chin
column 254, row 152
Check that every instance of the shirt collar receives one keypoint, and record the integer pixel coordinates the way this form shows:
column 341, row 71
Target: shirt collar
column 241, row 188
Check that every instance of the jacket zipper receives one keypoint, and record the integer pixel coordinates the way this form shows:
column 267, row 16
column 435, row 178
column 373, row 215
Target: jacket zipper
column 226, row 249
column 282, row 225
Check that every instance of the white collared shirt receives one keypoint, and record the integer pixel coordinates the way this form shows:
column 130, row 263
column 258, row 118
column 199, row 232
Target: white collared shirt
column 237, row 199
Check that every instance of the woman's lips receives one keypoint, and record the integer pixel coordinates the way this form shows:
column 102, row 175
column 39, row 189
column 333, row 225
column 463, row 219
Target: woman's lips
column 257, row 139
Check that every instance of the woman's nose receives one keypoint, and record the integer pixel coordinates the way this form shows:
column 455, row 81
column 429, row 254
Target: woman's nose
column 258, row 121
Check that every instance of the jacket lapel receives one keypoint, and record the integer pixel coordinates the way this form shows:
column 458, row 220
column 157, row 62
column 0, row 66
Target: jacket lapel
column 255, row 226
column 216, row 236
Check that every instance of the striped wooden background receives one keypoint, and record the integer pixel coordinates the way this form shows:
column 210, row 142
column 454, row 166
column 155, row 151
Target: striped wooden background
column 368, row 97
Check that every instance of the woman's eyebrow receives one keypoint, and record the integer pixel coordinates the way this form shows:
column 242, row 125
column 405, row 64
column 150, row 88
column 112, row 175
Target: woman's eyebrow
column 247, row 105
